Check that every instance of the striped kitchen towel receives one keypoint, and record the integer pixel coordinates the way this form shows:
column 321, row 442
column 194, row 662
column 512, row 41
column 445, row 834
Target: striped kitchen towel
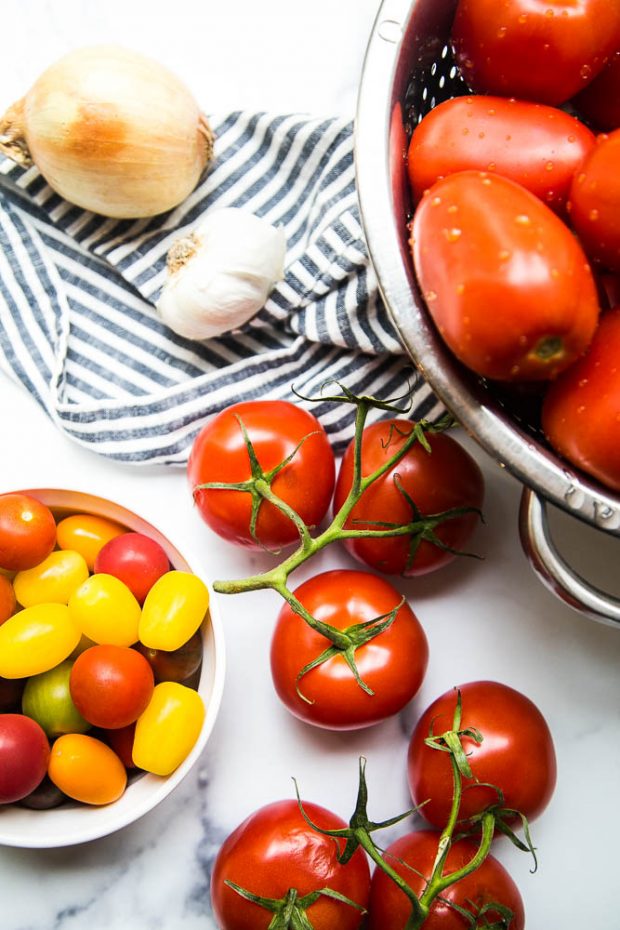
column 78, row 325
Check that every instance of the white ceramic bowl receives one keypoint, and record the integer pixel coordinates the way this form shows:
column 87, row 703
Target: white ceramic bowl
column 73, row 823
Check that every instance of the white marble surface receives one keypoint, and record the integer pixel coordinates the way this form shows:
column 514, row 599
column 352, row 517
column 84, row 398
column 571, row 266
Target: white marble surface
column 490, row 619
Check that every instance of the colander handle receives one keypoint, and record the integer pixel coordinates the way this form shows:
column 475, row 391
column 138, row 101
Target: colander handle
column 554, row 571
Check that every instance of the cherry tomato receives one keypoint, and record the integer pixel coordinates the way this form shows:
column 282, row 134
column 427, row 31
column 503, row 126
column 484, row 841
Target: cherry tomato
column 47, row 699
column 544, row 51
column 121, row 741
column 36, row 639
column 11, row 694
column 24, row 754
column 392, row 665
column 178, row 664
column 105, row 610
column 8, row 602
column 412, row 857
column 45, row 797
column 87, row 534
column 173, row 610
column 581, row 410
column 275, row 850
column 446, row 477
column 136, row 559
column 538, row 146
column 27, row 531
column 516, row 754
column 275, row 428
column 599, row 102
column 595, row 202
column 111, row 685
column 51, row 581
column 168, row 729
column 86, row 770
column 505, row 281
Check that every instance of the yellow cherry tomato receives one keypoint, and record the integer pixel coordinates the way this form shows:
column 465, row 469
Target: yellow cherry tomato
column 86, row 770
column 173, row 610
column 87, row 534
column 36, row 639
column 105, row 610
column 167, row 730
column 53, row 580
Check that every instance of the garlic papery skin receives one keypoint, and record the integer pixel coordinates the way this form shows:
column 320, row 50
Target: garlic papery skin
column 111, row 131
column 220, row 275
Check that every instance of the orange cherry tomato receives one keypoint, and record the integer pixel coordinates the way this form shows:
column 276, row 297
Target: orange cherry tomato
column 87, row 534
column 87, row 770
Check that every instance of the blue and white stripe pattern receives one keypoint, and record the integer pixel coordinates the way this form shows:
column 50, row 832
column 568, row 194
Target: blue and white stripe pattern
column 79, row 329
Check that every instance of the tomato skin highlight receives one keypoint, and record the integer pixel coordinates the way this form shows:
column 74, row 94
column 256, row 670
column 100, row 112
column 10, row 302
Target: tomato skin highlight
column 535, row 145
column 581, row 410
column 595, row 202
column 275, row 427
column 490, row 883
column 516, row 755
column 273, row 850
column 507, row 284
column 393, row 664
column 27, row 531
column 447, row 477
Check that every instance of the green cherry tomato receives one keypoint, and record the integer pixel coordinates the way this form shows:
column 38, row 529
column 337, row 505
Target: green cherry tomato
column 105, row 610
column 51, row 581
column 173, row 610
column 36, row 639
column 168, row 729
column 47, row 699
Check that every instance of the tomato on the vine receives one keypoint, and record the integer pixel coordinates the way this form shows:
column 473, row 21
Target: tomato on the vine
column 274, row 851
column 276, row 429
column 516, row 755
column 412, row 857
column 392, row 664
column 27, row 531
column 446, row 477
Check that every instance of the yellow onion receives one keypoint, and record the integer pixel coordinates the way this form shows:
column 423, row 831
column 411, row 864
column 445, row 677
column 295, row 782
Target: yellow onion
column 111, row 131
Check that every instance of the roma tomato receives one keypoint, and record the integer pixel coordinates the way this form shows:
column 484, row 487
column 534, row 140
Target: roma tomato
column 86, row 770
column 136, row 559
column 53, row 580
column 111, row 685
column 27, row 531
column 173, row 610
column 446, row 477
column 538, row 146
column 275, row 428
column 534, row 49
column 505, row 281
column 581, row 410
column 595, row 202
column 599, row 102
column 8, row 602
column 516, row 754
column 167, row 731
column 275, row 850
column 87, row 534
column 393, row 664
column 36, row 639
column 47, row 699
column 105, row 610
column 412, row 857
column 24, row 754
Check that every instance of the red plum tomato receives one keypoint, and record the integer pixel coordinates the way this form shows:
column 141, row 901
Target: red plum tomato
column 516, row 754
column 412, row 856
column 275, row 850
column 275, row 428
column 538, row 146
column 393, row 664
column 581, row 409
column 136, row 559
column 27, row 531
column 24, row 755
column 111, row 685
column 534, row 49
column 446, row 477
column 595, row 202
column 506, row 282
column 599, row 101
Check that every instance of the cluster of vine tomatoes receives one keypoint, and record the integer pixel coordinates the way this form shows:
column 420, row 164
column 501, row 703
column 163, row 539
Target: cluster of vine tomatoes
column 516, row 233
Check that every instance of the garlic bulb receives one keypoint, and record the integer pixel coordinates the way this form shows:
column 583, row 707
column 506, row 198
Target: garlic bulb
column 221, row 274
column 110, row 131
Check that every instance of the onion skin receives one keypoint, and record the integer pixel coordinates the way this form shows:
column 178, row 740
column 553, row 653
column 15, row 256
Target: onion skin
column 111, row 131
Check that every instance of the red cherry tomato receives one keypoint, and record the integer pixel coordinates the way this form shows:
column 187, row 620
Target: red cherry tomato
column 581, row 410
column 24, row 754
column 516, row 754
column 392, row 665
column 8, row 603
column 595, row 202
column 599, row 102
column 136, row 559
column 505, row 281
column 275, row 428
column 275, row 850
column 121, row 742
column 412, row 857
column 111, row 685
column 538, row 146
column 446, row 477
column 27, row 531
column 534, row 49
